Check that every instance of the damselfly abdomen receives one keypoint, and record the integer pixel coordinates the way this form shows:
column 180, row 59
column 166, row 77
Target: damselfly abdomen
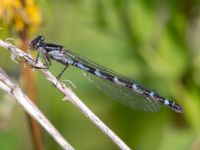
column 125, row 90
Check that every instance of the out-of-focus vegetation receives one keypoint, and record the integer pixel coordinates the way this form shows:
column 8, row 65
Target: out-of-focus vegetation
column 156, row 43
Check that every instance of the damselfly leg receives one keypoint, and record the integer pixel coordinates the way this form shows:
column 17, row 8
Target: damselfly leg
column 60, row 74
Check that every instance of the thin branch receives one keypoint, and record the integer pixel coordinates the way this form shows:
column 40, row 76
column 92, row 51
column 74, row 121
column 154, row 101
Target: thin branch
column 13, row 90
column 69, row 95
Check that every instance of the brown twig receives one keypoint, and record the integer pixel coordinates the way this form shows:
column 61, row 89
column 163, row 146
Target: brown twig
column 30, row 89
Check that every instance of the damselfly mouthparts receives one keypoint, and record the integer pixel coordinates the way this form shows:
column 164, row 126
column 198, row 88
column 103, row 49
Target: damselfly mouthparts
column 123, row 89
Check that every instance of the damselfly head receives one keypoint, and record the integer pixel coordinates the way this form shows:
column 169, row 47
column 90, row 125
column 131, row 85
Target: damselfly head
column 36, row 43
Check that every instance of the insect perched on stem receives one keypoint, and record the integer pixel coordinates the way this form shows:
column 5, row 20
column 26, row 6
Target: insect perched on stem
column 117, row 86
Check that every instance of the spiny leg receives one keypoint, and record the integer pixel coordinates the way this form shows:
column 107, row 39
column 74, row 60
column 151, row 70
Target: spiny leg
column 38, row 54
column 60, row 74
column 33, row 66
column 47, row 61
column 47, row 64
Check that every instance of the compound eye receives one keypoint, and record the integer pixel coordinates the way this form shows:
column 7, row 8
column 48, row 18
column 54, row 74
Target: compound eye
column 35, row 43
column 42, row 38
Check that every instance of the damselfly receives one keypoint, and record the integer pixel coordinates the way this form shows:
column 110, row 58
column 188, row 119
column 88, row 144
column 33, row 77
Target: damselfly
column 123, row 89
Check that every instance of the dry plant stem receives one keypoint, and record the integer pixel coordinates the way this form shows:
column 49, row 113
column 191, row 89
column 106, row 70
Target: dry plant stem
column 13, row 90
column 69, row 95
column 30, row 90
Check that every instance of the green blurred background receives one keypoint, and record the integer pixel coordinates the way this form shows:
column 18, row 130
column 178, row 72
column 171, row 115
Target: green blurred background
column 156, row 43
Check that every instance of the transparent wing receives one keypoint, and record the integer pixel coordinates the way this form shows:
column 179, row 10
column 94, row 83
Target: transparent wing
column 124, row 95
column 93, row 64
column 120, row 93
